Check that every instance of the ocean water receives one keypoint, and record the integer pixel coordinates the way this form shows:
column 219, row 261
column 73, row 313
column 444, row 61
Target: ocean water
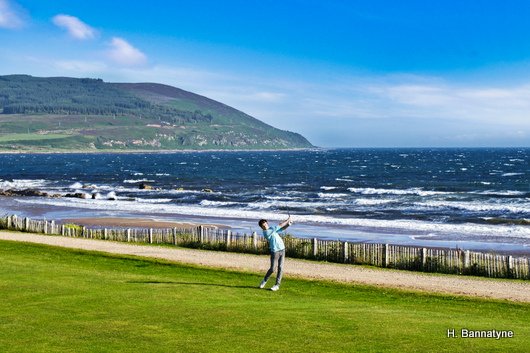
column 412, row 196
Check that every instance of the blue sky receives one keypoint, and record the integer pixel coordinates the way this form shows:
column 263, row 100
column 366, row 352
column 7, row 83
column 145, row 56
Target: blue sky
column 342, row 73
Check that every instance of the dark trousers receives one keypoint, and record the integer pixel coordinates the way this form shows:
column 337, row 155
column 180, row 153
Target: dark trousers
column 276, row 258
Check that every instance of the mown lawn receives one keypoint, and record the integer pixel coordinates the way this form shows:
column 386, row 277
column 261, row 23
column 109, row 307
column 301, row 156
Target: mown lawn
column 31, row 137
column 58, row 300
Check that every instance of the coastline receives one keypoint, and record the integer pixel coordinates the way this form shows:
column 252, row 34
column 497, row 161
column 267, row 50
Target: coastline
column 131, row 219
column 163, row 151
column 350, row 195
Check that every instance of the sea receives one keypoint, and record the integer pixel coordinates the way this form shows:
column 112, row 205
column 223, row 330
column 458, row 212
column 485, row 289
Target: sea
column 476, row 199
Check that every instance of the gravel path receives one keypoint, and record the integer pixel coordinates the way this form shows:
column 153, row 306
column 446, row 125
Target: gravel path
column 460, row 285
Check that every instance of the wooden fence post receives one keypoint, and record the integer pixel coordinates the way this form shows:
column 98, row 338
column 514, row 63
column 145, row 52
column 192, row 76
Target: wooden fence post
column 385, row 255
column 423, row 258
column 128, row 235
column 45, row 227
column 105, row 233
column 26, row 224
column 255, row 239
column 345, row 252
column 9, row 222
column 509, row 266
column 150, row 235
column 228, row 238
column 174, row 236
column 200, row 235
column 467, row 260
column 315, row 247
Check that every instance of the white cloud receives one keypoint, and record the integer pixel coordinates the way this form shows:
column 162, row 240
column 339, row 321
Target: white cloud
column 125, row 54
column 75, row 27
column 10, row 18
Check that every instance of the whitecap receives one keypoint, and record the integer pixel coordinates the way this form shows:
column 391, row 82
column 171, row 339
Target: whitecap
column 21, row 184
column 217, row 203
column 138, row 199
column 76, row 185
column 499, row 192
column 328, row 188
column 412, row 191
column 477, row 206
column 134, row 181
column 372, row 202
column 331, row 195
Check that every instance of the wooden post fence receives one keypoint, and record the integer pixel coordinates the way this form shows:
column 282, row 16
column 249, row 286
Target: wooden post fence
column 383, row 255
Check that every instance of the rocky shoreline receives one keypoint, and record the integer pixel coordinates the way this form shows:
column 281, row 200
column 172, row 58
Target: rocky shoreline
column 39, row 193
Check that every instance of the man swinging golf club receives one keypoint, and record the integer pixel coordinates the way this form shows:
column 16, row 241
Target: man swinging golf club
column 277, row 249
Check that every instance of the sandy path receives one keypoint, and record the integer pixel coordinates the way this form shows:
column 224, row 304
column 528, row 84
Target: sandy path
column 459, row 285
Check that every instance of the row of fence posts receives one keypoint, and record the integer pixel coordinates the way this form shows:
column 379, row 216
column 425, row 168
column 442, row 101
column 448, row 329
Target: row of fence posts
column 381, row 255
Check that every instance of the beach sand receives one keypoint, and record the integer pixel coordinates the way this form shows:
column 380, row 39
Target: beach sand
column 135, row 223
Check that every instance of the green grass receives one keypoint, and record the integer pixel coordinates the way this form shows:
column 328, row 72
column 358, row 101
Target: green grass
column 31, row 137
column 58, row 300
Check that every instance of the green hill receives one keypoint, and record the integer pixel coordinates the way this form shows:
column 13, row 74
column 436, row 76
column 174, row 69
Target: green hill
column 61, row 113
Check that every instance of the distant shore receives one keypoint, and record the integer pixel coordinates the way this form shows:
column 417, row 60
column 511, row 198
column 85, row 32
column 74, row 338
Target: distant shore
column 160, row 151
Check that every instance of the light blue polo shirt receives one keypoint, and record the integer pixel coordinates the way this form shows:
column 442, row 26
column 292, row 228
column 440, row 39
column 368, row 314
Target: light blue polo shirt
column 272, row 236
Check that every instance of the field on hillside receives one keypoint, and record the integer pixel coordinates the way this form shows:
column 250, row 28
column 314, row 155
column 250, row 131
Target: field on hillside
column 57, row 300
column 124, row 116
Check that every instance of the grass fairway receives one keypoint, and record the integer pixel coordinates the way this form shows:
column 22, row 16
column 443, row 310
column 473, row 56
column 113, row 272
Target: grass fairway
column 58, row 300
column 31, row 137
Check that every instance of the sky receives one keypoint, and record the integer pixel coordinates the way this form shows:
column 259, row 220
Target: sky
column 342, row 73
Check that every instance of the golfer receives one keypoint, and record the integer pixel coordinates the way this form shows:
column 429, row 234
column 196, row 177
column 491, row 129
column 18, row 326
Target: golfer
column 277, row 249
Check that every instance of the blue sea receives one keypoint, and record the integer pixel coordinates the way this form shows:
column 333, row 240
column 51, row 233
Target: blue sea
column 467, row 198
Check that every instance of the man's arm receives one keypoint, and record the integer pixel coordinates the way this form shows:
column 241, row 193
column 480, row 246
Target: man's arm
column 283, row 225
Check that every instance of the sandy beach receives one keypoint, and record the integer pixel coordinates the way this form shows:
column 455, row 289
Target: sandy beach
column 512, row 290
column 135, row 223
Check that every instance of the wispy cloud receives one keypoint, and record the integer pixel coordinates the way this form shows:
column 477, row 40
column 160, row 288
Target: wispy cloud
column 454, row 101
column 10, row 17
column 123, row 53
column 81, row 67
column 75, row 27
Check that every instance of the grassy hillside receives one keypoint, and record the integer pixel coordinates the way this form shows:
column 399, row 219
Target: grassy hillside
column 57, row 300
column 89, row 114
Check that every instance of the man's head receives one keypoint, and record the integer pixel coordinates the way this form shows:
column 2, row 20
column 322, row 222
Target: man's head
column 263, row 224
